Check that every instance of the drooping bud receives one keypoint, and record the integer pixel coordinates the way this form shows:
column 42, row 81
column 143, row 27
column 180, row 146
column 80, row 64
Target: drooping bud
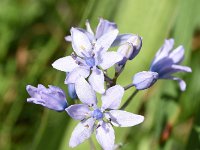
column 53, row 97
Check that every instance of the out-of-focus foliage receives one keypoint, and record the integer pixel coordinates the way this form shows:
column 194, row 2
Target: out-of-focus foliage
column 32, row 37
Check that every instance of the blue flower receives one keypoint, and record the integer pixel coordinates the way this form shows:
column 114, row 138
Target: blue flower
column 100, row 119
column 91, row 53
column 53, row 97
column 165, row 64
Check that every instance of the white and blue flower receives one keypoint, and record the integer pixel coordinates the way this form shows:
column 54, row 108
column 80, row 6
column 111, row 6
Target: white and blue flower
column 99, row 119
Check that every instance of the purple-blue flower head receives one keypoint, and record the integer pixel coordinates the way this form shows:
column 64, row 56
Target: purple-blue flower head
column 165, row 64
column 99, row 119
column 53, row 97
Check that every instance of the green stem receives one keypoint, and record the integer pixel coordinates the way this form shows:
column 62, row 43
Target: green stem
column 128, row 86
column 129, row 99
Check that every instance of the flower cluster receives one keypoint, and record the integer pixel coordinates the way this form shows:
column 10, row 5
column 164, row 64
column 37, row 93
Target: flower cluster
column 86, row 75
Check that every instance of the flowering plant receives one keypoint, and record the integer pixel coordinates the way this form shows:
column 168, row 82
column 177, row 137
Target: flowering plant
column 86, row 70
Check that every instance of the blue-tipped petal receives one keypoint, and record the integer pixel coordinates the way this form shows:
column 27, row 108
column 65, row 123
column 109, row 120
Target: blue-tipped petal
column 144, row 79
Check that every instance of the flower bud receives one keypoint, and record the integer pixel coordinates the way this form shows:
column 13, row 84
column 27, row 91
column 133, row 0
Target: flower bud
column 53, row 97
column 130, row 49
column 145, row 79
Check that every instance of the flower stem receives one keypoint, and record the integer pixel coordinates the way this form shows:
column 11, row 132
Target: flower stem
column 128, row 86
column 129, row 99
column 92, row 146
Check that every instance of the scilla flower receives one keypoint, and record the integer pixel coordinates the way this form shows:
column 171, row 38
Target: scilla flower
column 90, row 54
column 164, row 65
column 99, row 119
column 53, row 97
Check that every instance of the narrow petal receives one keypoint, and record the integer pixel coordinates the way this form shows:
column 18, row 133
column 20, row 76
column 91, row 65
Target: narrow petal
column 144, row 79
column 68, row 38
column 105, row 135
column 78, row 111
column 82, row 132
column 104, row 27
column 104, row 42
column 72, row 91
column 112, row 98
column 66, row 64
column 181, row 82
column 96, row 80
column 177, row 55
column 80, row 42
column 77, row 73
column 89, row 29
column 167, row 71
column 108, row 59
column 85, row 92
column 164, row 50
column 121, row 118
column 121, row 39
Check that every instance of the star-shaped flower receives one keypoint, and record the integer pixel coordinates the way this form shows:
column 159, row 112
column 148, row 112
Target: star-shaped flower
column 100, row 119
column 91, row 53
column 165, row 63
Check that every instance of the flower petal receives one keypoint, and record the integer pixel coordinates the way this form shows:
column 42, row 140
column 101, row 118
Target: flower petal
column 112, row 98
column 145, row 79
column 121, row 39
column 85, row 92
column 68, row 38
column 164, row 50
column 77, row 73
column 105, row 135
column 104, row 27
column 121, row 118
column 88, row 27
column 78, row 111
column 72, row 91
column 80, row 42
column 96, row 80
column 106, row 61
column 82, row 132
column 66, row 64
column 177, row 55
column 165, row 72
column 181, row 82
column 104, row 42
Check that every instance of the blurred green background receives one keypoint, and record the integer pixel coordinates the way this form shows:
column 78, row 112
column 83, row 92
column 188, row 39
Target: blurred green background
column 32, row 37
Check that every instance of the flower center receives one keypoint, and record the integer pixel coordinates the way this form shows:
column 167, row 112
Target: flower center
column 90, row 61
column 97, row 114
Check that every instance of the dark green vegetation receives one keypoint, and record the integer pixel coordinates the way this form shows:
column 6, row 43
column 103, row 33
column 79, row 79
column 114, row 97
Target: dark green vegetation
column 32, row 37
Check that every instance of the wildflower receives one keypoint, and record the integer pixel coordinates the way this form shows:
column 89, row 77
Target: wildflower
column 100, row 119
column 165, row 63
column 91, row 53
column 53, row 97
